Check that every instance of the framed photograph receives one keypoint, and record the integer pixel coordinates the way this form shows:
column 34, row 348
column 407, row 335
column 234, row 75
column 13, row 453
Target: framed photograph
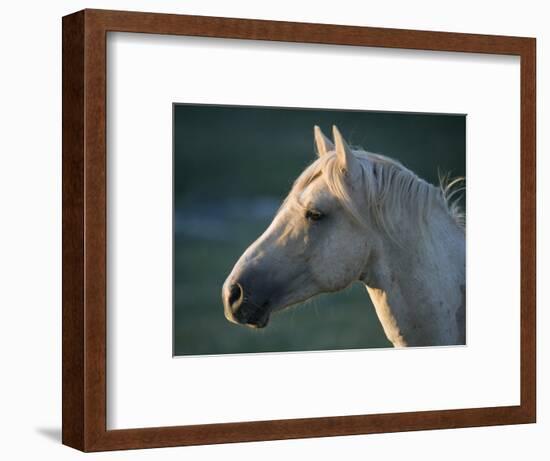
column 279, row 230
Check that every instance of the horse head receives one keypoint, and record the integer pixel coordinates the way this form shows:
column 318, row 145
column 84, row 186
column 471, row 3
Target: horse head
column 316, row 243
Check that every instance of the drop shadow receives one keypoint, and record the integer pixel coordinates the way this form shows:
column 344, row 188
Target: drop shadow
column 52, row 433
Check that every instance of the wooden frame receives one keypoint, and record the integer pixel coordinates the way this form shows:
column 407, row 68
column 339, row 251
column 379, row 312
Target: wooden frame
column 84, row 230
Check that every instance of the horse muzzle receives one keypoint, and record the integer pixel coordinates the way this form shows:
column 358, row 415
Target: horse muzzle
column 240, row 308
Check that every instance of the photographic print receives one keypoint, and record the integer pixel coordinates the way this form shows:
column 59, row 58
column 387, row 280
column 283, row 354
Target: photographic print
column 314, row 228
column 304, row 229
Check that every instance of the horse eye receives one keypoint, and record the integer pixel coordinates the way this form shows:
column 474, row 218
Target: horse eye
column 314, row 215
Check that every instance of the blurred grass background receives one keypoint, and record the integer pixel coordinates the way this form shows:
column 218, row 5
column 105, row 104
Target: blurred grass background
column 232, row 168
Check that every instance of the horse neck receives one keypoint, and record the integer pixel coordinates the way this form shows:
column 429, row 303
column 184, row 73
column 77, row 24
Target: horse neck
column 418, row 287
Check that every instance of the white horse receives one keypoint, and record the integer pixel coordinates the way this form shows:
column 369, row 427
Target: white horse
column 354, row 215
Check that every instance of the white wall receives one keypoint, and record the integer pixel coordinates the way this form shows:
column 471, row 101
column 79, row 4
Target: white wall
column 30, row 235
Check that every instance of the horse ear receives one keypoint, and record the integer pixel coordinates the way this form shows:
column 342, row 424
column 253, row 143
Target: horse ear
column 347, row 160
column 322, row 143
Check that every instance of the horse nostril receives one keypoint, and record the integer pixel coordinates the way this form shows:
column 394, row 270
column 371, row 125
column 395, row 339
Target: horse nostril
column 235, row 295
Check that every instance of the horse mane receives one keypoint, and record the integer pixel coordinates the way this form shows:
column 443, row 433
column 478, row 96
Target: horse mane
column 390, row 189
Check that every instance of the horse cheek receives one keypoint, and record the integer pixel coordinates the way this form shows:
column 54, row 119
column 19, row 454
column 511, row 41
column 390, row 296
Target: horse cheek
column 329, row 266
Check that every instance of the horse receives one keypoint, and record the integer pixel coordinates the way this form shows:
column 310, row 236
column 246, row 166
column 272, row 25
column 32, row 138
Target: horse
column 354, row 215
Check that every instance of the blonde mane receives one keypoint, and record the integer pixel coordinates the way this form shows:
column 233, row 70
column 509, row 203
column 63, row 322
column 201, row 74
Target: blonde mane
column 390, row 190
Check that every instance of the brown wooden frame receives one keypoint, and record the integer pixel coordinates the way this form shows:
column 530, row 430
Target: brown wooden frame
column 84, row 229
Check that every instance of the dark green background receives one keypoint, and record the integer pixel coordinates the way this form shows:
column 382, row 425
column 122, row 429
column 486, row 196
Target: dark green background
column 232, row 168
